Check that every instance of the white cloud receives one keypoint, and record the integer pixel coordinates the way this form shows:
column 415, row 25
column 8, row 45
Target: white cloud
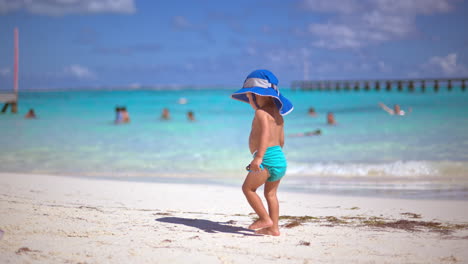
column 8, row 5
column 181, row 23
column 5, row 72
column 335, row 36
column 338, row 69
column 444, row 66
column 389, row 24
column 414, row 6
column 64, row 7
column 332, row 6
column 357, row 24
column 251, row 51
column 386, row 6
column 384, row 67
column 266, row 29
column 79, row 72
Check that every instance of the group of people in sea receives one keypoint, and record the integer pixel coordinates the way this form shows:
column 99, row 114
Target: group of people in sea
column 311, row 112
column 167, row 116
column 122, row 116
column 331, row 118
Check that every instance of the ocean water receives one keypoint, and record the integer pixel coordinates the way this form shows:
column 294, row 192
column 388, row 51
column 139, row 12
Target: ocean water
column 369, row 152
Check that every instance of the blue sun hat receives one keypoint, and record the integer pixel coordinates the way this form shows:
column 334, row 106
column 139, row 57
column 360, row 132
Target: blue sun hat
column 263, row 83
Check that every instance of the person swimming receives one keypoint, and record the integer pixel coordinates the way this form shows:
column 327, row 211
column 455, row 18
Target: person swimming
column 165, row 114
column 396, row 109
column 191, row 116
column 125, row 115
column 312, row 112
column 121, row 115
column 316, row 132
column 31, row 114
column 331, row 119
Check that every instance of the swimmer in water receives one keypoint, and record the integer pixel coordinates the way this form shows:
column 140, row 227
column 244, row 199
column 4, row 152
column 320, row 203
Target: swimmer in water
column 316, row 132
column 395, row 111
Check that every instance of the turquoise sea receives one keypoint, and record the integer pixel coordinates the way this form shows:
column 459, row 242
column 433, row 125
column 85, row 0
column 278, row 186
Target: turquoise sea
column 423, row 154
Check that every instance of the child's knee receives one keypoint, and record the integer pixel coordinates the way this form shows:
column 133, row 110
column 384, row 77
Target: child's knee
column 246, row 188
column 270, row 195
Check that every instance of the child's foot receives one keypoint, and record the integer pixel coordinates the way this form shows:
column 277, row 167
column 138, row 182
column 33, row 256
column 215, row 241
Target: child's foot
column 261, row 223
column 268, row 231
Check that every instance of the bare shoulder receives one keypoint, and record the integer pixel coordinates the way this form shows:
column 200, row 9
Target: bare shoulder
column 262, row 114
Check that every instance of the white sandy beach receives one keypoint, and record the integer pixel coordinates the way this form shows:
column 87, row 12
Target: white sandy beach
column 51, row 219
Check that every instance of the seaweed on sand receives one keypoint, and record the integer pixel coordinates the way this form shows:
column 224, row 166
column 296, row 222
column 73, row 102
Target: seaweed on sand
column 413, row 226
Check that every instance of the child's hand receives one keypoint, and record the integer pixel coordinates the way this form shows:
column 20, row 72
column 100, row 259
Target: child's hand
column 256, row 165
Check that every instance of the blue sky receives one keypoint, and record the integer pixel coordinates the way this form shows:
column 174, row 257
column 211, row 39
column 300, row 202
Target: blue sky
column 95, row 43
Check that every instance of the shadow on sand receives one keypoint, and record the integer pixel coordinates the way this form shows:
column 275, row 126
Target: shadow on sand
column 208, row 226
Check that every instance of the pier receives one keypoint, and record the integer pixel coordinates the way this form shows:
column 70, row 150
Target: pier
column 410, row 85
column 11, row 98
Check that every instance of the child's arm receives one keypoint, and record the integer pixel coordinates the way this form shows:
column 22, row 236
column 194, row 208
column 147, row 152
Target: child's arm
column 282, row 138
column 261, row 119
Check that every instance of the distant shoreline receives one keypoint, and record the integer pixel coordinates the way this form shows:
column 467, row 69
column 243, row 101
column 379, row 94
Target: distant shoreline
column 143, row 88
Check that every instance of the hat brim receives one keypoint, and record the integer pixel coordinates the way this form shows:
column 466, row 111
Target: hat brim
column 283, row 104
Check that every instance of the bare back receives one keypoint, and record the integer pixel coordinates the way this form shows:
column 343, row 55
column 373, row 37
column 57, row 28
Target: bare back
column 273, row 124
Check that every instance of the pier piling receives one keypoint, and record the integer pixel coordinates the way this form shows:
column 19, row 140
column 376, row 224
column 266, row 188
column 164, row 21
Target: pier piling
column 338, row 86
column 356, row 86
column 377, row 86
column 388, row 86
column 400, row 86
column 411, row 86
column 328, row 86
column 347, row 86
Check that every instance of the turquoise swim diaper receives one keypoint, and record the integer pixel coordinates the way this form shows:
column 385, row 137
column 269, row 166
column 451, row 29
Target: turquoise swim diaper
column 275, row 161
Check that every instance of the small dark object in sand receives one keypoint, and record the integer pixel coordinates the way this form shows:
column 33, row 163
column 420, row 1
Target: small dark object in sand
column 167, row 241
column 411, row 215
column 231, row 222
column 293, row 224
column 450, row 259
column 162, row 214
column 335, row 220
column 25, row 249
column 304, row 243
column 297, row 220
column 304, row 218
column 1, row 234
column 354, row 208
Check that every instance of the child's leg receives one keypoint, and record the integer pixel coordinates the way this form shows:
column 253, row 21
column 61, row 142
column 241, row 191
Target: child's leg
column 251, row 183
column 270, row 191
